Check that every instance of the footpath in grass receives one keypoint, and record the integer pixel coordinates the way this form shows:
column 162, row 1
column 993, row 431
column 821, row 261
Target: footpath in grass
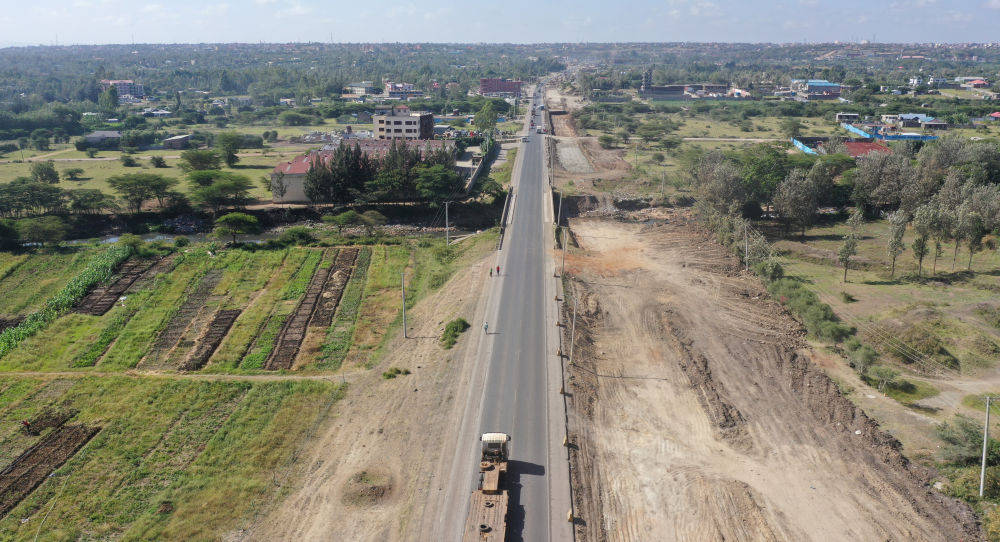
column 174, row 460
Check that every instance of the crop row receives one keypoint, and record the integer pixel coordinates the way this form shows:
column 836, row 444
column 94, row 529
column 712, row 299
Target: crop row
column 100, row 269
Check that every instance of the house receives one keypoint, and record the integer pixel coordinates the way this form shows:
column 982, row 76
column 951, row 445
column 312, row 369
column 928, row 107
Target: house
column 912, row 120
column 288, row 178
column 978, row 83
column 155, row 113
column 103, row 139
column 848, row 117
column 288, row 102
column 816, row 89
column 494, row 86
column 400, row 91
column 177, row 142
column 361, row 88
column 995, row 116
column 934, row 124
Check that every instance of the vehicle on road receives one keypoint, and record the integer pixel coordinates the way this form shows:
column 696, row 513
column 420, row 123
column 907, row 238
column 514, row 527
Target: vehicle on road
column 525, row 139
column 487, row 520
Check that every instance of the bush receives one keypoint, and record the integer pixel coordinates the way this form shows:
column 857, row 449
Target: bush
column 452, row 331
column 128, row 161
column 394, row 372
column 180, row 241
column 606, row 141
column 91, row 152
column 158, row 162
column 296, row 235
column 769, row 270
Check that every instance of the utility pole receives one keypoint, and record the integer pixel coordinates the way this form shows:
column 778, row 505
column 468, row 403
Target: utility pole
column 402, row 289
column 563, row 272
column 986, row 439
column 746, row 248
column 447, row 229
column 572, row 330
column 559, row 213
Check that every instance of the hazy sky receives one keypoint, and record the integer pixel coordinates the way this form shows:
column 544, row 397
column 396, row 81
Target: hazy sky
column 170, row 21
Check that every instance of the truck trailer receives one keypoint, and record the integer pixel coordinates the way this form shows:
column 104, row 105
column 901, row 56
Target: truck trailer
column 487, row 520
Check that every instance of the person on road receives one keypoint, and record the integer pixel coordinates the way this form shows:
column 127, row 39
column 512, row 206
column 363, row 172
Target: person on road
column 498, row 270
column 486, row 328
column 491, row 272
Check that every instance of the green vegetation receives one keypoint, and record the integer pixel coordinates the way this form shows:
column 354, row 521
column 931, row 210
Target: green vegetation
column 197, row 458
column 451, row 332
column 341, row 332
column 394, row 372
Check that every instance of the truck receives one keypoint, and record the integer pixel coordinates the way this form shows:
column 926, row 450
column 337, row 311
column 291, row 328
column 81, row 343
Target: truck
column 487, row 520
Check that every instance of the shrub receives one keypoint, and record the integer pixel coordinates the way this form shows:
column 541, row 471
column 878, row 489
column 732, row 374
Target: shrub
column 847, row 298
column 180, row 241
column 769, row 270
column 452, row 331
column 158, row 162
column 128, row 161
column 91, row 152
column 296, row 235
column 394, row 372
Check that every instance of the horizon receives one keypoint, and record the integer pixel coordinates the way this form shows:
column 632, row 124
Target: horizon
column 107, row 22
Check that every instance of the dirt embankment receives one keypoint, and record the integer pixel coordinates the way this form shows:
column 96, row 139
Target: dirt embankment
column 697, row 413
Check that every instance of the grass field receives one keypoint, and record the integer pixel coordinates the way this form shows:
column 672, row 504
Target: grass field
column 175, row 459
column 26, row 281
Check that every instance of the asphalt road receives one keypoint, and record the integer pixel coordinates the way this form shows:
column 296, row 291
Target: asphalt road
column 515, row 395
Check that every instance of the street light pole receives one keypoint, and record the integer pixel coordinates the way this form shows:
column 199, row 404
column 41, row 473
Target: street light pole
column 563, row 272
column 447, row 227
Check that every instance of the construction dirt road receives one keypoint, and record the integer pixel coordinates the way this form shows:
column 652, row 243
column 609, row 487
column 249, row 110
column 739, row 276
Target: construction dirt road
column 697, row 412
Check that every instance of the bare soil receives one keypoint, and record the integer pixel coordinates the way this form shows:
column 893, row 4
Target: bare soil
column 170, row 336
column 697, row 412
column 100, row 300
column 32, row 467
column 10, row 322
column 217, row 330
column 289, row 340
column 340, row 273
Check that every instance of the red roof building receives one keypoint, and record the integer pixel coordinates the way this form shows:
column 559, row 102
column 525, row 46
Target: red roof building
column 861, row 148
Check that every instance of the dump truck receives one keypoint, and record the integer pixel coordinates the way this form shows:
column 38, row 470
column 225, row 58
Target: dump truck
column 488, row 505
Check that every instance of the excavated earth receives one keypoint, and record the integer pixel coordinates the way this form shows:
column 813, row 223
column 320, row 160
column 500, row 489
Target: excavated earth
column 697, row 412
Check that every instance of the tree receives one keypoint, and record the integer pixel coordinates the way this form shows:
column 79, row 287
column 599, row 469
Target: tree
column 136, row 188
column 47, row 229
column 158, row 162
column 923, row 224
column 970, row 230
column 894, row 245
column 44, row 172
column 91, row 152
column 849, row 248
column 228, row 144
column 347, row 218
column 73, row 173
column 9, row 237
column 437, row 183
column 791, row 127
column 108, row 101
column 606, row 141
column 371, row 220
column 89, row 200
column 233, row 224
column 885, row 376
column 198, row 160
column 227, row 190
column 796, row 200
column 486, row 118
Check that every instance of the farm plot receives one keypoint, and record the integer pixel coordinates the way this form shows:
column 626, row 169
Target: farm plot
column 294, row 331
column 33, row 466
column 217, row 330
column 100, row 300
column 37, row 277
column 177, row 459
column 170, row 337
column 340, row 273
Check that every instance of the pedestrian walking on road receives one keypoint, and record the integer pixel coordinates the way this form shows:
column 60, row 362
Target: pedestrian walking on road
column 491, row 272
column 486, row 328
column 498, row 270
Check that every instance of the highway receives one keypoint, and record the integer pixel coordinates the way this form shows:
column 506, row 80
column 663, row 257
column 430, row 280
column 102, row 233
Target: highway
column 515, row 392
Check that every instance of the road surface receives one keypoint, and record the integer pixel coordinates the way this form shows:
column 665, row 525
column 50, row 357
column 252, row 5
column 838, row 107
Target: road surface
column 519, row 390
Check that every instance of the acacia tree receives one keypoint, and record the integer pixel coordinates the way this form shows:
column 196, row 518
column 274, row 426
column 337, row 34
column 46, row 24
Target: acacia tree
column 228, row 144
column 233, row 224
column 969, row 230
column 850, row 245
column 895, row 246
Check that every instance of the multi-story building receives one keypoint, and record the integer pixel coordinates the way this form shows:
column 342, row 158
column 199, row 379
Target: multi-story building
column 816, row 89
column 400, row 91
column 494, row 86
column 360, row 88
column 125, row 87
column 403, row 125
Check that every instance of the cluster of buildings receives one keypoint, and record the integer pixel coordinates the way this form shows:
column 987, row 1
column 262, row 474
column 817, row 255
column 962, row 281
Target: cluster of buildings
column 691, row 91
column 362, row 91
column 500, row 88
column 810, row 90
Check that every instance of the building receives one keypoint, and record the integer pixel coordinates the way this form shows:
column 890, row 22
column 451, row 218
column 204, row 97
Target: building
column 816, row 89
column 400, row 91
column 848, row 117
column 288, row 178
column 103, row 138
column 177, row 142
column 155, row 113
column 360, row 88
column 995, row 116
column 494, row 86
column 978, row 83
column 124, row 87
column 403, row 125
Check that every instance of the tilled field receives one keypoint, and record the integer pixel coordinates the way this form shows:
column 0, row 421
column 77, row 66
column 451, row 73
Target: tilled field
column 217, row 329
column 31, row 468
column 178, row 325
column 334, row 287
column 100, row 300
column 697, row 413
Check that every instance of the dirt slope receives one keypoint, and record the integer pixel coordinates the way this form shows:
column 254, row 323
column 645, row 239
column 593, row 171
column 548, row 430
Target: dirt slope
column 699, row 416
column 370, row 474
